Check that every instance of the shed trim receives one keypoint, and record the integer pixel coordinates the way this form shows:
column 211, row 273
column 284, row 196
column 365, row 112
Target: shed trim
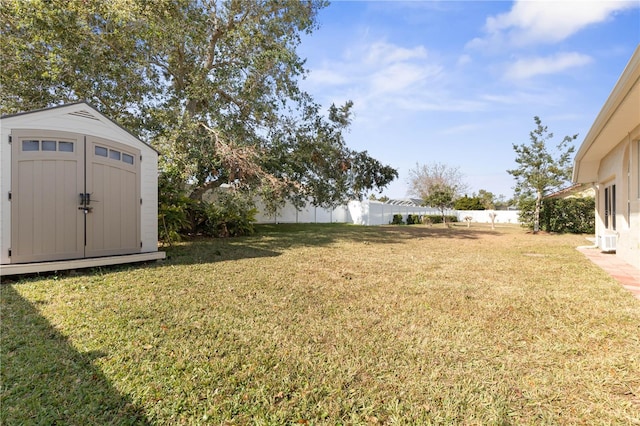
column 83, row 114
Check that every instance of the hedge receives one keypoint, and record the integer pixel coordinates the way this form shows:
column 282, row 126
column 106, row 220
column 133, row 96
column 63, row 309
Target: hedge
column 561, row 215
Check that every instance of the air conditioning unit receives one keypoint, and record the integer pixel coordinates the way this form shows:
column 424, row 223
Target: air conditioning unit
column 608, row 242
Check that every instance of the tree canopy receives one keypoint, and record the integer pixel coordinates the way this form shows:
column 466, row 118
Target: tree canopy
column 212, row 84
column 468, row 203
column 541, row 170
column 436, row 184
column 427, row 178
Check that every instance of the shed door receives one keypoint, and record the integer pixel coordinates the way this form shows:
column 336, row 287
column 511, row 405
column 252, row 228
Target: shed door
column 47, row 174
column 113, row 224
column 70, row 200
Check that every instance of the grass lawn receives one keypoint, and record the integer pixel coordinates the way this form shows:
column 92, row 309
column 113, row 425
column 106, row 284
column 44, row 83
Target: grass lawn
column 329, row 324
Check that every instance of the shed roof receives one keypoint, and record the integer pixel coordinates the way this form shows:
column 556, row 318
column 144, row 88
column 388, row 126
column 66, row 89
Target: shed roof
column 81, row 109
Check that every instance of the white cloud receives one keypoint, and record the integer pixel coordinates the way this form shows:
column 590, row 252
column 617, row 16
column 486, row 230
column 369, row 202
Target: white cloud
column 400, row 77
column 531, row 67
column 464, row 60
column 530, row 96
column 382, row 75
column 441, row 102
column 381, row 53
column 531, row 22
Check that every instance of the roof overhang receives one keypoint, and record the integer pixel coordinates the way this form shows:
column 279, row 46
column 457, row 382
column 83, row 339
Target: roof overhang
column 79, row 109
column 619, row 116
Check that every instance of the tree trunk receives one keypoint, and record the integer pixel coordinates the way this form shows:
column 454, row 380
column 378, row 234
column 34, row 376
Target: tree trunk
column 536, row 213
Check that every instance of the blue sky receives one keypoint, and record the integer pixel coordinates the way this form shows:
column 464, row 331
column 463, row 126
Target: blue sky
column 459, row 82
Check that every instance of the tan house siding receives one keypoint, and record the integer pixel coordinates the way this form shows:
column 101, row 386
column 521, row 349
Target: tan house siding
column 617, row 172
column 609, row 159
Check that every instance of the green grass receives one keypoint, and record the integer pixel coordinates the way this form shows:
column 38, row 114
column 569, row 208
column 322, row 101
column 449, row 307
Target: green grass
column 329, row 324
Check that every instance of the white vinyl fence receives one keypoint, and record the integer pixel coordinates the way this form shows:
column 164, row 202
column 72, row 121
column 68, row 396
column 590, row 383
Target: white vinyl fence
column 371, row 213
column 309, row 214
column 376, row 213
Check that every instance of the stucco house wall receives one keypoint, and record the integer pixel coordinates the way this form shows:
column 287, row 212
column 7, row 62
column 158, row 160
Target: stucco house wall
column 609, row 159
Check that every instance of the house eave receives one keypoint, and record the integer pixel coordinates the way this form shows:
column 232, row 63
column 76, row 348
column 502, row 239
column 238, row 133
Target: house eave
column 611, row 125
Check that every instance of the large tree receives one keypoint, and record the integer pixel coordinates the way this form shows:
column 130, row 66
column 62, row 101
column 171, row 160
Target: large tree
column 437, row 185
column 213, row 84
column 541, row 169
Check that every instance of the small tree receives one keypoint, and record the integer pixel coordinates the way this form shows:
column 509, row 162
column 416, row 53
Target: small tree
column 493, row 216
column 440, row 197
column 540, row 171
column 436, row 184
column 487, row 198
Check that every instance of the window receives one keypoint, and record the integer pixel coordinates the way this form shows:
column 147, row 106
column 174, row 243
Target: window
column 31, row 145
column 100, row 151
column 127, row 158
column 610, row 207
column 114, row 155
column 65, row 146
column 48, row 145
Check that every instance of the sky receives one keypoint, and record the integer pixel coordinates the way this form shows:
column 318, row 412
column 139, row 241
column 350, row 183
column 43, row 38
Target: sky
column 459, row 82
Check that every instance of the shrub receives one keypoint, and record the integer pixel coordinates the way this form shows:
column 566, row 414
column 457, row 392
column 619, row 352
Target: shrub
column 436, row 218
column 173, row 208
column 414, row 219
column 397, row 219
column 232, row 214
column 468, row 203
column 572, row 215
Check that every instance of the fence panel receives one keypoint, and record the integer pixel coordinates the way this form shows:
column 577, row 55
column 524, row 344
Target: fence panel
column 371, row 213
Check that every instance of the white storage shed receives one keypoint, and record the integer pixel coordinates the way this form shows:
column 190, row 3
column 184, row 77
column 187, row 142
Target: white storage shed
column 76, row 190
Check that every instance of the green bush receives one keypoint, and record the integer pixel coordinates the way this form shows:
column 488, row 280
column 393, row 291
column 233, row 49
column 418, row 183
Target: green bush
column 397, row 220
column 569, row 215
column 232, row 214
column 527, row 207
column 437, row 218
column 414, row 219
column 468, row 203
column 173, row 208
column 574, row 215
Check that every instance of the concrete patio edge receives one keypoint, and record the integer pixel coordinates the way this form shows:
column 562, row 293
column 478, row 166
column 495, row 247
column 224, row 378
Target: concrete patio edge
column 627, row 275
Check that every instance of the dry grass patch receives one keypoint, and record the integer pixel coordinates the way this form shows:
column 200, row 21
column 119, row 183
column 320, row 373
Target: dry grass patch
column 329, row 324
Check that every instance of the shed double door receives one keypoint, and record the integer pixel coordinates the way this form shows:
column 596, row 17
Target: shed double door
column 72, row 196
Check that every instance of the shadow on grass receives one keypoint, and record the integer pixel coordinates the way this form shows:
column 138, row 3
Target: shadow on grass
column 45, row 380
column 271, row 240
column 294, row 235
